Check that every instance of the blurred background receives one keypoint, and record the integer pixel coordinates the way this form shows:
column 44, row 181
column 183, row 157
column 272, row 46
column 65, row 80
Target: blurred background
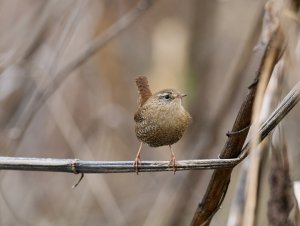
column 202, row 48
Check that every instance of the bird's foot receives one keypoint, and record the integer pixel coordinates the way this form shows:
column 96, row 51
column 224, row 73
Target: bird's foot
column 173, row 163
column 136, row 163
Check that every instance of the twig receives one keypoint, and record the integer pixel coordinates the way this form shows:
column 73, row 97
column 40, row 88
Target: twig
column 35, row 101
column 233, row 147
column 257, row 157
column 78, row 182
column 102, row 40
column 262, row 108
column 80, row 166
column 79, row 59
column 23, row 48
column 65, row 123
column 203, row 146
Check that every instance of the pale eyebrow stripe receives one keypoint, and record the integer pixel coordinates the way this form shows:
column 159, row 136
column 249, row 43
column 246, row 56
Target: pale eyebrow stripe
column 163, row 94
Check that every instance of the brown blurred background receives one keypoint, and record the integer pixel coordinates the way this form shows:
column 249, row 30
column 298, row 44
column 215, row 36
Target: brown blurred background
column 195, row 46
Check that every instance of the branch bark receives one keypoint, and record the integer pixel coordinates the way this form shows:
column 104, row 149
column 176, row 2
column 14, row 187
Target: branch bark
column 80, row 166
column 219, row 182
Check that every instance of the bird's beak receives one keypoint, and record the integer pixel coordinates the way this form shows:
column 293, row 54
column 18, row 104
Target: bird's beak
column 182, row 95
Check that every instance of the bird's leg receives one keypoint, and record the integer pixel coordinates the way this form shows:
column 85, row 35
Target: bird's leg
column 137, row 160
column 173, row 159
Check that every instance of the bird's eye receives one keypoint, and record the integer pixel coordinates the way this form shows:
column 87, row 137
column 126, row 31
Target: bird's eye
column 167, row 97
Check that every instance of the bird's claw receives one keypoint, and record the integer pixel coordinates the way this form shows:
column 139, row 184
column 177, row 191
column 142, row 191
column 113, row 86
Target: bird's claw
column 173, row 163
column 136, row 163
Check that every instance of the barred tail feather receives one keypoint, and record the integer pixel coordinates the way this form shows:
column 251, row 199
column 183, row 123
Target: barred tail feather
column 143, row 88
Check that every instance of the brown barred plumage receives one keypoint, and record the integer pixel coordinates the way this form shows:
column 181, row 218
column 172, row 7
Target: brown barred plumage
column 160, row 119
column 143, row 88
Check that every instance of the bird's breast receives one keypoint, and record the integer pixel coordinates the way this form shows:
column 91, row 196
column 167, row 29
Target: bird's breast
column 162, row 127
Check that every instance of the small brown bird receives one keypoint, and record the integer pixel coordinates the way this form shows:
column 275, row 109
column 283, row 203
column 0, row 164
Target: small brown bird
column 160, row 119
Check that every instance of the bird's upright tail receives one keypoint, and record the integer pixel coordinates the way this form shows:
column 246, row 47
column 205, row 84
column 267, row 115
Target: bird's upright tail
column 144, row 90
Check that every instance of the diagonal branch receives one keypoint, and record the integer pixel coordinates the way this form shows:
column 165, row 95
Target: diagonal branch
column 64, row 72
column 102, row 40
column 219, row 182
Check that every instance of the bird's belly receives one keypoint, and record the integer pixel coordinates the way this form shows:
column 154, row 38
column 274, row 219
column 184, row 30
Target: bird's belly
column 159, row 134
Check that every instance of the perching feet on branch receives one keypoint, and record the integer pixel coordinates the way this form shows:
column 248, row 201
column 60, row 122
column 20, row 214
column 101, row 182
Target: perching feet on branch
column 160, row 119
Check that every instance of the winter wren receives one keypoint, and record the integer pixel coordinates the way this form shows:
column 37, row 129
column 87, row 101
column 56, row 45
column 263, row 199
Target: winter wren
column 160, row 119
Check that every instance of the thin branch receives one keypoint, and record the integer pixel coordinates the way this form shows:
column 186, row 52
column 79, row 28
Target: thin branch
column 258, row 151
column 91, row 48
column 233, row 147
column 80, row 166
column 287, row 104
column 102, row 40
column 23, row 48
column 210, row 136
column 257, row 158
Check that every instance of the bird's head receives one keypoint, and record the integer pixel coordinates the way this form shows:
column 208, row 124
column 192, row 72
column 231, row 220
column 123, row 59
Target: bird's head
column 168, row 97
